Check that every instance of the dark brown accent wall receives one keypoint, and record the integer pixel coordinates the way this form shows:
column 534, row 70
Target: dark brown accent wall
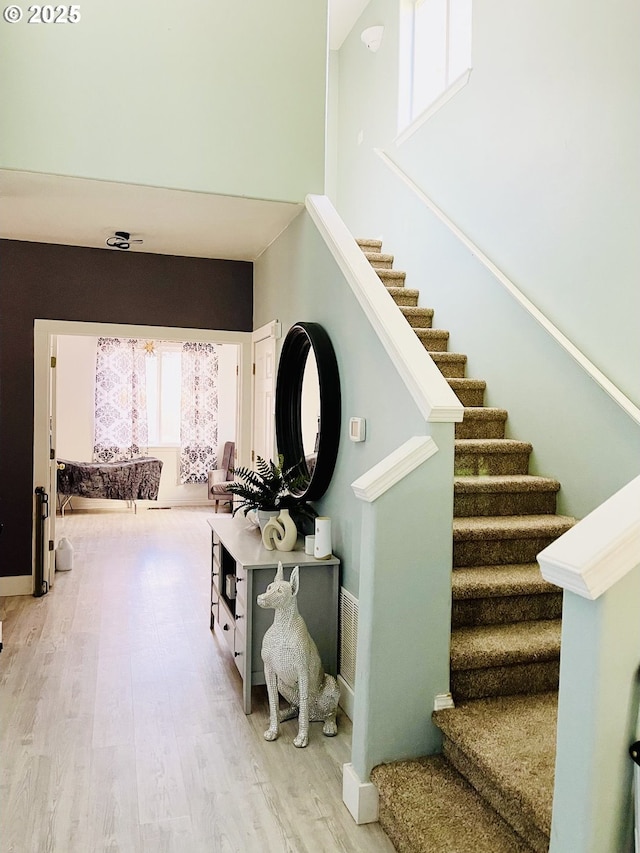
column 43, row 281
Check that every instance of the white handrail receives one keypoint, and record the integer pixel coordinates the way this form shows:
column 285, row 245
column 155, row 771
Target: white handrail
column 588, row 366
column 394, row 467
column 599, row 550
column 428, row 387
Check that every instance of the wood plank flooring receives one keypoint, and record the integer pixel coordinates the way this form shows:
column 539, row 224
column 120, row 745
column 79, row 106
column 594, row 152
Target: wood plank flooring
column 121, row 723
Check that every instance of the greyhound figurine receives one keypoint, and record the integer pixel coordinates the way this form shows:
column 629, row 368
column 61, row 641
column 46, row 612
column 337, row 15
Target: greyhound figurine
column 292, row 665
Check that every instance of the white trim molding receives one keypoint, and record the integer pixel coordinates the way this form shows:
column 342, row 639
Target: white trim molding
column 426, row 384
column 361, row 798
column 347, row 696
column 599, row 550
column 433, row 108
column 394, row 468
column 588, row 366
column 16, row 585
column 442, row 701
column 269, row 330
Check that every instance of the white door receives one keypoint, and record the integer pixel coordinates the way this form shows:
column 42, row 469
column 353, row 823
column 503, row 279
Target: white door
column 263, row 442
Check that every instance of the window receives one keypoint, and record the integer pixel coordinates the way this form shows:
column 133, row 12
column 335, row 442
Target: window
column 157, row 393
column 163, row 365
column 435, row 56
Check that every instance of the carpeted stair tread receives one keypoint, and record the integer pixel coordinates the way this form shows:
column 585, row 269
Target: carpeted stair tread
column 502, row 606
column 379, row 261
column 491, row 456
column 482, row 422
column 368, row 245
column 487, row 445
column 485, row 413
column 519, row 679
column 506, row 483
column 404, row 296
column 485, row 646
column 497, row 581
column 508, row 745
column 425, row 806
column 392, row 278
column 470, row 392
column 452, row 365
column 418, row 318
column 510, row 526
column 501, row 595
column 433, row 340
column 515, row 494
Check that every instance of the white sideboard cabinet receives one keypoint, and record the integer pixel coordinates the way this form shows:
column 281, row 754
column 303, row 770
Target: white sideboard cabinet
column 241, row 569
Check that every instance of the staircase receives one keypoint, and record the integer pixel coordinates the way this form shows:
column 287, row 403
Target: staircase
column 491, row 790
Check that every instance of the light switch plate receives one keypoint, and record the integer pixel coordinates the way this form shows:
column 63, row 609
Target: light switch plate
column 357, row 429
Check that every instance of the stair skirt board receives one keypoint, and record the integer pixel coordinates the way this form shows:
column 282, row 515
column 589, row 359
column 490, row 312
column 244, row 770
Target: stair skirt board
column 499, row 739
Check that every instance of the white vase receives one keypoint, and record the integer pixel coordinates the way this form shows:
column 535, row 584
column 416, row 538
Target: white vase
column 280, row 532
column 264, row 515
column 289, row 536
column 270, row 529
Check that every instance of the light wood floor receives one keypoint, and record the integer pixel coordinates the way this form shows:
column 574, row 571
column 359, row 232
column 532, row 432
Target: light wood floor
column 121, row 719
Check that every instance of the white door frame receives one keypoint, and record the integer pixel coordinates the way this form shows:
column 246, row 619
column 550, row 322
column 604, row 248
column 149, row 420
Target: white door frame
column 271, row 331
column 43, row 332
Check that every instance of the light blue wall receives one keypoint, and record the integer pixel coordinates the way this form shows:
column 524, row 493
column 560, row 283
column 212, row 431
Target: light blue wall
column 536, row 160
column 296, row 279
column 218, row 97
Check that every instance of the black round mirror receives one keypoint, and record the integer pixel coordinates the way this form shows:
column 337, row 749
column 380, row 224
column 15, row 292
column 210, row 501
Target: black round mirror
column 308, row 408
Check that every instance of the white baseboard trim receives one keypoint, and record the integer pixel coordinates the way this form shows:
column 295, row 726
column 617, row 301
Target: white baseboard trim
column 361, row 798
column 442, row 701
column 16, row 585
column 347, row 697
column 101, row 505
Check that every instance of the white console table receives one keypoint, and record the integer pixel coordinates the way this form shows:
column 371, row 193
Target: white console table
column 241, row 569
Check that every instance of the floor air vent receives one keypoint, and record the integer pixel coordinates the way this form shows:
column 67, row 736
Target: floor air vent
column 348, row 636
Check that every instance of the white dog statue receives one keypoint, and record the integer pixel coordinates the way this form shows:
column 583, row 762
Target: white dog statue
column 292, row 665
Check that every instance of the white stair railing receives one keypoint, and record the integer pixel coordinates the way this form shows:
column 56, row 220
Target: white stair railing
column 588, row 366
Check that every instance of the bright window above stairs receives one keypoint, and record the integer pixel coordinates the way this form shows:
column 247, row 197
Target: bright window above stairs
column 435, row 58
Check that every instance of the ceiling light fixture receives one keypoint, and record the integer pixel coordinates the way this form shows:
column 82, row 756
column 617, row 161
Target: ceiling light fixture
column 121, row 240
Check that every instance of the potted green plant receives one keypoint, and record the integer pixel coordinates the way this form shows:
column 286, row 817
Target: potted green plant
column 268, row 490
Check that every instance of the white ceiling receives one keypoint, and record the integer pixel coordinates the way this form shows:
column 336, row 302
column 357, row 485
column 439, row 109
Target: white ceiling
column 79, row 212
column 342, row 16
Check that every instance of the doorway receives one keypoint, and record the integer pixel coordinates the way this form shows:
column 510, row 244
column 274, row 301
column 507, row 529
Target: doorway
column 46, row 334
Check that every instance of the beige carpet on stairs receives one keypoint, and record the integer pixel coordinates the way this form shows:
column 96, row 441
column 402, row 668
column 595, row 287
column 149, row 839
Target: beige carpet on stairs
column 491, row 790
column 426, row 805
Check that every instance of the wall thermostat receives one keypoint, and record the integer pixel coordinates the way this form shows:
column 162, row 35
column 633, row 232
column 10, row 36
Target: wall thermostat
column 357, row 429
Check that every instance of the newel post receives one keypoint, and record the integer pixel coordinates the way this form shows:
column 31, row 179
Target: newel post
column 404, row 610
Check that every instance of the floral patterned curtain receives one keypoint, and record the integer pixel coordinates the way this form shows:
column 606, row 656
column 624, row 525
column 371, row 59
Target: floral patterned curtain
column 199, row 412
column 120, row 423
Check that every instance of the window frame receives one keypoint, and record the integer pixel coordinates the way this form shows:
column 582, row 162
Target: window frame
column 408, row 120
